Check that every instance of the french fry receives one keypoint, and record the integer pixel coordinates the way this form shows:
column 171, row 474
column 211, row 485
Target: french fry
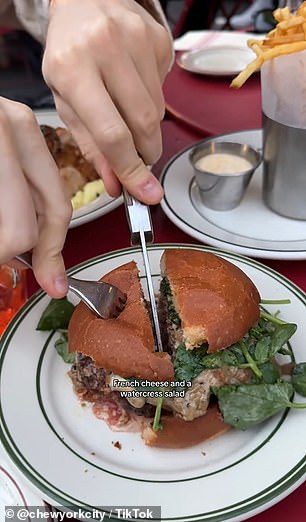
column 288, row 37
column 293, row 22
column 281, row 50
column 281, row 14
column 239, row 80
column 279, row 40
column 257, row 49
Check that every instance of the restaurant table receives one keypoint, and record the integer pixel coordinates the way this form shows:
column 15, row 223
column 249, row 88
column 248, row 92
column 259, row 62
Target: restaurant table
column 208, row 105
column 111, row 232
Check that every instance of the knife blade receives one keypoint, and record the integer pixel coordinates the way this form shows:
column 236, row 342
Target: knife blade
column 140, row 223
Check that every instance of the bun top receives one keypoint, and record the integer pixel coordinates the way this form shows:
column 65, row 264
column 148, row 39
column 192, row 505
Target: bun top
column 216, row 301
column 124, row 345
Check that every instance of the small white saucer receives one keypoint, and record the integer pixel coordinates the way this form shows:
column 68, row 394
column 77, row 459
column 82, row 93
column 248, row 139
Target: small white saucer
column 250, row 229
column 216, row 61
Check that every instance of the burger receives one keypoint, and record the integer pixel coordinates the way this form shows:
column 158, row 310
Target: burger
column 205, row 305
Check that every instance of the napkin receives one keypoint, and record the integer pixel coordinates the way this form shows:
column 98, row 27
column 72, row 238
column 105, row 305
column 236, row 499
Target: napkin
column 204, row 39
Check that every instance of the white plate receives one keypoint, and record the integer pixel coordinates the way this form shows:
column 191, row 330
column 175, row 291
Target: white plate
column 70, row 457
column 250, row 229
column 97, row 208
column 210, row 38
column 216, row 61
column 13, row 491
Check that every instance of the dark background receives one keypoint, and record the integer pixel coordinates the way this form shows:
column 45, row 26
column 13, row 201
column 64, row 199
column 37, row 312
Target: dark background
column 20, row 54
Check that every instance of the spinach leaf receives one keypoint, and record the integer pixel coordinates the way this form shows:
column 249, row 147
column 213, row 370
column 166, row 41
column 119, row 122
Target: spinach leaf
column 281, row 336
column 246, row 405
column 299, row 379
column 61, row 346
column 269, row 345
column 262, row 349
column 166, row 290
column 56, row 316
column 188, row 363
column 255, row 351
column 270, row 374
column 228, row 357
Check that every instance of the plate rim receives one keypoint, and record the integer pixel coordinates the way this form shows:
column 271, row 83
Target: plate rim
column 27, row 496
column 210, row 240
column 182, row 59
column 293, row 478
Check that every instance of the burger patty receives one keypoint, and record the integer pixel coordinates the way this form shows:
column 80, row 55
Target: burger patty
column 85, row 374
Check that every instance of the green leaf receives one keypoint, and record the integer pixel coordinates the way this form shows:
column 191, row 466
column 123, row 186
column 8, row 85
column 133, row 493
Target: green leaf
column 56, row 316
column 166, row 290
column 246, row 405
column 263, row 349
column 255, row 351
column 249, row 358
column 299, row 379
column 281, row 335
column 227, row 357
column 270, row 374
column 188, row 363
column 269, row 345
column 61, row 346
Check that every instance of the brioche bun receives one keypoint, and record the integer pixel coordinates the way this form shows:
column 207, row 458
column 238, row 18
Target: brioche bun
column 216, row 301
column 124, row 345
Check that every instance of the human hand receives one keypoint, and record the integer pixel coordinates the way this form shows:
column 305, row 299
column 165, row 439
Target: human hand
column 34, row 209
column 105, row 61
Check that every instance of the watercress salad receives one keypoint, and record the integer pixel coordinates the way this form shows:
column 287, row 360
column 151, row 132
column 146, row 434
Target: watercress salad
column 270, row 390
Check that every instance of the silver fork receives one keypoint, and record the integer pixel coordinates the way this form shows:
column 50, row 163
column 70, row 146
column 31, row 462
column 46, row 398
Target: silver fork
column 105, row 300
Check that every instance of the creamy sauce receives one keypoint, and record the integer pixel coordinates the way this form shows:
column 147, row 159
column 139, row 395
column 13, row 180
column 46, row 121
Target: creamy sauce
column 223, row 164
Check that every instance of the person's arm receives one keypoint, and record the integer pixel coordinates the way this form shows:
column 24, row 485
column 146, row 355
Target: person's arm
column 34, row 210
column 34, row 14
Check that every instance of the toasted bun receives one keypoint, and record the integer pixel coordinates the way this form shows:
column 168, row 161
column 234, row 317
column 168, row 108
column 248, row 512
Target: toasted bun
column 177, row 433
column 124, row 345
column 216, row 301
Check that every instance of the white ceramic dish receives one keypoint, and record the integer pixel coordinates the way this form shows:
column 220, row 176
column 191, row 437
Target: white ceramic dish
column 210, row 38
column 97, row 208
column 224, row 60
column 250, row 229
column 13, row 490
column 69, row 456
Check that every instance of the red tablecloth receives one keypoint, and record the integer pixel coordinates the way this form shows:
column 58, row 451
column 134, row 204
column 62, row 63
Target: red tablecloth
column 207, row 104
column 111, row 232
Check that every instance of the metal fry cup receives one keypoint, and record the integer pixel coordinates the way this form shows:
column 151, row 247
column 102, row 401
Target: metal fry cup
column 223, row 171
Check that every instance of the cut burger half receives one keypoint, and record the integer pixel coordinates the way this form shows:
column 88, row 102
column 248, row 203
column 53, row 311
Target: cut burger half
column 205, row 299
column 205, row 305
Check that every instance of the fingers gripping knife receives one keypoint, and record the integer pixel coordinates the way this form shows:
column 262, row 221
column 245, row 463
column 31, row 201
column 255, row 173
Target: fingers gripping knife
column 140, row 223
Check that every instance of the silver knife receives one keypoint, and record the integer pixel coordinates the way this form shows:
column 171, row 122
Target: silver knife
column 140, row 224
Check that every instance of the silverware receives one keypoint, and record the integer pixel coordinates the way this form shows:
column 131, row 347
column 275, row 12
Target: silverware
column 105, row 300
column 140, row 224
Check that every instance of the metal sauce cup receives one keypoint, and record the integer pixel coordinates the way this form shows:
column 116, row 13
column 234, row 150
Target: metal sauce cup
column 223, row 190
